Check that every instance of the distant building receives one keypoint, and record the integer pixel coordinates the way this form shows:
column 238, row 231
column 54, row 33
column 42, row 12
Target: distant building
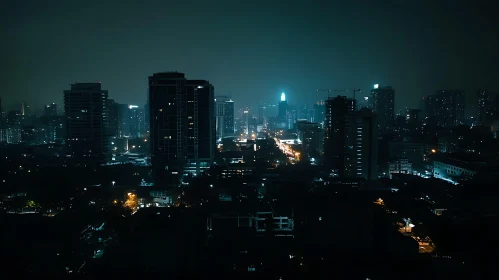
column 311, row 135
column 412, row 116
column 182, row 126
column 283, row 110
column 445, row 108
column 86, row 112
column 365, row 102
column 136, row 123
column 319, row 113
column 224, row 116
column 246, row 129
column 262, row 114
column 50, row 110
column 483, row 106
column 383, row 105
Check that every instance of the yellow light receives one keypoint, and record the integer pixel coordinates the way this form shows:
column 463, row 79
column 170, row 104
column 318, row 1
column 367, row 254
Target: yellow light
column 433, row 150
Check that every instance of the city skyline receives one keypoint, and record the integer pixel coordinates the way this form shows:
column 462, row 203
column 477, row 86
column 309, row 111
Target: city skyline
column 334, row 51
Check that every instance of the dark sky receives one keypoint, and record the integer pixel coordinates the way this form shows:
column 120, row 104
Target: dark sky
column 251, row 49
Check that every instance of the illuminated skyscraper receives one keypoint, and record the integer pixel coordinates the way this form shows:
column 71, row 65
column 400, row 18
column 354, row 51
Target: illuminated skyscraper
column 224, row 116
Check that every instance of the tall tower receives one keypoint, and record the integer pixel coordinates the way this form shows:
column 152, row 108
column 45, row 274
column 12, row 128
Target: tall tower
column 383, row 105
column 86, row 112
column 337, row 109
column 183, row 126
column 361, row 145
column 229, row 118
column 224, row 116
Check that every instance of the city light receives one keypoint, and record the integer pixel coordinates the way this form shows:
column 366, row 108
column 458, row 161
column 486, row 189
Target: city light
column 376, row 86
column 283, row 97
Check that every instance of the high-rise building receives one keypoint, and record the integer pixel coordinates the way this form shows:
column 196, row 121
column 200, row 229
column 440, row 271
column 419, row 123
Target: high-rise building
column 365, row 102
column 13, row 127
column 262, row 114
column 50, row 110
column 282, row 113
column 112, row 107
column 135, row 120
column 445, row 108
column 182, row 123
column 383, row 105
column 319, row 112
column 336, row 110
column 361, row 145
column 52, row 124
column 146, row 116
column 229, row 117
column 224, row 116
column 87, row 132
column 350, row 144
column 311, row 135
column 484, row 105
column 246, row 121
column 25, row 109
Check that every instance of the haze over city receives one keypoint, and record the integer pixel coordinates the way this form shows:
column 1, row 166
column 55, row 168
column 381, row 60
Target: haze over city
column 251, row 50
column 354, row 139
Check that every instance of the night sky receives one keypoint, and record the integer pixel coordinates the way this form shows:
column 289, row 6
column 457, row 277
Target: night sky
column 250, row 49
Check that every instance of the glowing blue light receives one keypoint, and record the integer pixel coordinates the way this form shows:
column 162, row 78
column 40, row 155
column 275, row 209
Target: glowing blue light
column 283, row 97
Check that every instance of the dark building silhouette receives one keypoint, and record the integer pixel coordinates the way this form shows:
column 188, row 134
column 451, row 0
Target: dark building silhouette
column 336, row 110
column 87, row 131
column 383, row 105
column 182, row 126
column 361, row 145
column 445, row 108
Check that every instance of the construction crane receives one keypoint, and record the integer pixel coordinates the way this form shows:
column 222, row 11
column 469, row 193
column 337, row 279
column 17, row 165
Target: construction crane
column 331, row 90
column 355, row 100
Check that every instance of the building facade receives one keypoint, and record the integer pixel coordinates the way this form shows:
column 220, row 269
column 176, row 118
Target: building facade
column 182, row 126
column 224, row 116
column 87, row 131
column 336, row 110
column 361, row 145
